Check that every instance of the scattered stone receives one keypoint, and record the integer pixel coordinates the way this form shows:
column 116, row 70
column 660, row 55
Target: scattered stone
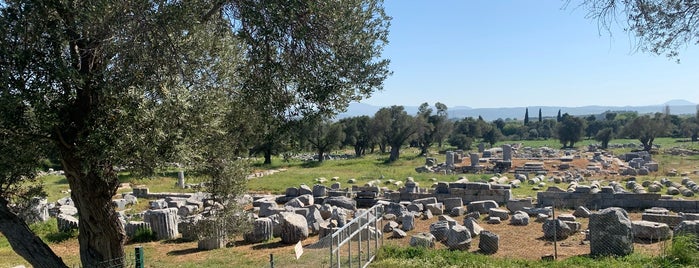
column 390, row 226
column 557, row 228
column 389, row 217
column 458, row 238
column 158, row 204
column 422, row 240
column 520, row 218
column 536, row 211
column 294, row 228
column 261, row 231
column 611, row 233
column 653, row 231
column 688, row 227
column 67, row 210
column 408, row 222
column 472, row 226
column 342, row 202
column 500, row 213
column 398, row 233
column 163, row 222
column 494, row 220
column 489, row 243
column 541, row 217
column 453, row 202
column 439, row 230
column 457, row 211
column 518, row 204
column 566, row 217
column 581, row 212
column 66, row 222
column 427, row 215
column 415, row 207
column 475, row 214
column 481, row 206
column 436, row 209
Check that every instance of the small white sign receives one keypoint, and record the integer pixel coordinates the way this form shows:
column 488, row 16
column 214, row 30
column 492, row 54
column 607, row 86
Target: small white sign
column 298, row 249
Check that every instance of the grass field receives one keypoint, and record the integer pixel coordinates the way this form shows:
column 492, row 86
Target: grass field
column 368, row 168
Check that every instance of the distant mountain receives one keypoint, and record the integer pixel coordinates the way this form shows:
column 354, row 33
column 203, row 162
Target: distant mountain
column 679, row 103
column 676, row 107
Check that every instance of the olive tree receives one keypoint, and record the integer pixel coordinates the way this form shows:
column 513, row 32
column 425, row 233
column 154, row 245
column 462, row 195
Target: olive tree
column 662, row 27
column 113, row 83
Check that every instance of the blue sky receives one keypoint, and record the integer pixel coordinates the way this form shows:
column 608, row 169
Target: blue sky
column 487, row 54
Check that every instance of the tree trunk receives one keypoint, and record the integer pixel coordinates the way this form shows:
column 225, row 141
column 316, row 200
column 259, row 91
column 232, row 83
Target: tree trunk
column 101, row 234
column 395, row 154
column 357, row 150
column 268, row 157
column 382, row 148
column 321, row 155
column 423, row 149
column 24, row 242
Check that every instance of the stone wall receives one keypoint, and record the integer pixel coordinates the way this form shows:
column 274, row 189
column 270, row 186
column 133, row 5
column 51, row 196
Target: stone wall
column 468, row 192
column 603, row 199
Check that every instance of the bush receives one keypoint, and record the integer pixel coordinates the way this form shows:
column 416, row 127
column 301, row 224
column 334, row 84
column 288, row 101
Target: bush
column 144, row 234
column 683, row 250
column 48, row 230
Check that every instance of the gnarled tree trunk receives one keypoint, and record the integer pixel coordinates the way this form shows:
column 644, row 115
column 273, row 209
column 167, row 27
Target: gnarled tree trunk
column 101, row 234
column 395, row 154
column 24, row 242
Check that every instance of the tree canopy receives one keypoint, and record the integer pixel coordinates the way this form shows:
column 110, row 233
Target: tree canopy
column 662, row 27
column 123, row 83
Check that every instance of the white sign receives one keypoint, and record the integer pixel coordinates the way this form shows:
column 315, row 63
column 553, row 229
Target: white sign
column 298, row 249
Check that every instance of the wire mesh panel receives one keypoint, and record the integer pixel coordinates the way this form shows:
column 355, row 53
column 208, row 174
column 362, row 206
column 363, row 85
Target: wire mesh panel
column 355, row 244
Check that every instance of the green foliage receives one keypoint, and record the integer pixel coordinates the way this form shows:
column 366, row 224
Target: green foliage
column 49, row 232
column 646, row 128
column 604, row 136
column 143, row 235
column 570, row 130
column 683, row 250
column 395, row 127
column 392, row 256
column 661, row 27
column 461, row 141
column 358, row 133
column 322, row 135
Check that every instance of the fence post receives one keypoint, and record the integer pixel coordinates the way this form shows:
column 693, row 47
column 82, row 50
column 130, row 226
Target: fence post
column 140, row 258
column 271, row 260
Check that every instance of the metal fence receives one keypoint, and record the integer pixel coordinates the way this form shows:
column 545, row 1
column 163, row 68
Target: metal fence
column 357, row 243
column 129, row 260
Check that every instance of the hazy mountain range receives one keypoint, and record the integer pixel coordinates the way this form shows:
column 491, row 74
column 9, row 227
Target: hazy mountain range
column 678, row 107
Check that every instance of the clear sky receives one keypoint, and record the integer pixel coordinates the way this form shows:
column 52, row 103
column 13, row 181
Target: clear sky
column 516, row 53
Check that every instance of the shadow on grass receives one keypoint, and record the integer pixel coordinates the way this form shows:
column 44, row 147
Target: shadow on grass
column 63, row 180
column 311, row 164
column 59, row 237
column 271, row 245
column 176, row 241
column 181, row 252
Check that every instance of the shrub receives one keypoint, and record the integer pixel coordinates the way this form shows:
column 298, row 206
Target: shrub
column 48, row 230
column 144, row 234
column 683, row 250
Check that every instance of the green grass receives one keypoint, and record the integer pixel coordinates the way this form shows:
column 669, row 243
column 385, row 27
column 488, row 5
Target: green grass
column 48, row 231
column 363, row 170
column 370, row 167
column 407, row 257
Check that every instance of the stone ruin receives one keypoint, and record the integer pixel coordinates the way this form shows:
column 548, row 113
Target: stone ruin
column 635, row 196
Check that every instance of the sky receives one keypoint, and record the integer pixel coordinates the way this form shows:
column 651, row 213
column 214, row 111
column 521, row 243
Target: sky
column 488, row 54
